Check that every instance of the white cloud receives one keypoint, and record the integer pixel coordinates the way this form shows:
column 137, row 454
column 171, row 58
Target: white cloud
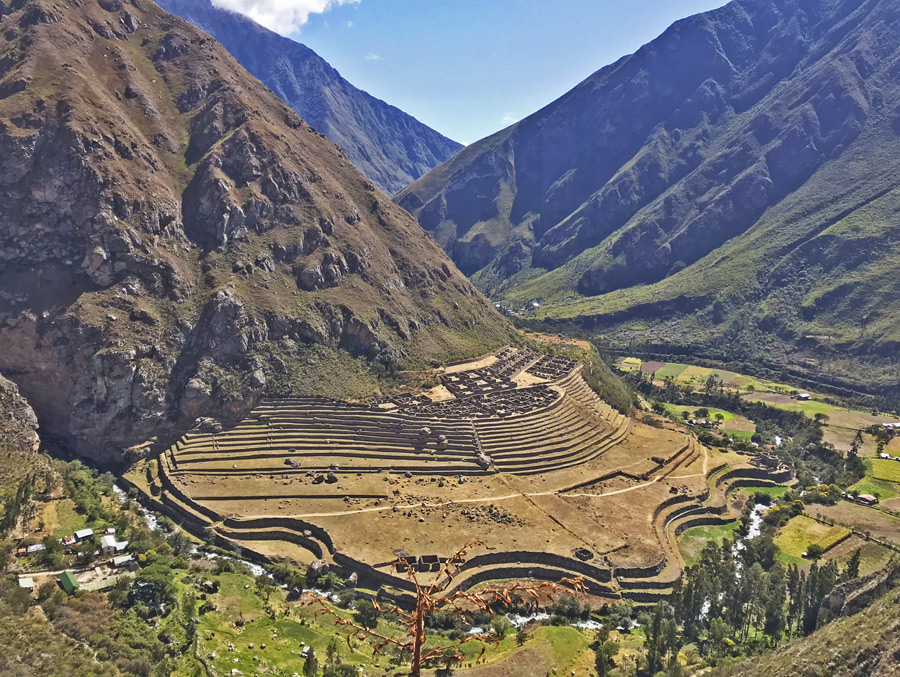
column 371, row 56
column 509, row 119
column 282, row 16
column 349, row 24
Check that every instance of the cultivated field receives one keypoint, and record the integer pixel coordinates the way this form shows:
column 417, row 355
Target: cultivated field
column 522, row 455
column 795, row 537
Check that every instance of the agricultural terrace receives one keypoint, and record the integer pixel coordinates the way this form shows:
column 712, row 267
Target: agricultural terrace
column 514, row 449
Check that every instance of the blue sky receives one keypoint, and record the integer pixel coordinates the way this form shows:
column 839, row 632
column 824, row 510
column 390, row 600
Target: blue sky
column 471, row 67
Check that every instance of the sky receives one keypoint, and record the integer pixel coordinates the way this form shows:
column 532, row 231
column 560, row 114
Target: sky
column 469, row 68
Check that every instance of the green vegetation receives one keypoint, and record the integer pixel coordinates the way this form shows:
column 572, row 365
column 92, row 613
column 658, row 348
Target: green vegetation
column 881, row 489
column 885, row 470
column 710, row 413
column 692, row 541
column 801, row 533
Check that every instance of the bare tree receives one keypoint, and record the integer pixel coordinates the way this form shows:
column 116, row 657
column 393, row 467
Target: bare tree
column 432, row 598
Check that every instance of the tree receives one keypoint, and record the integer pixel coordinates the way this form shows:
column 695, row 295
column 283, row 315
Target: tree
column 265, row 586
column 604, row 652
column 432, row 599
column 367, row 614
column 331, row 654
column 685, row 414
column 814, row 551
column 311, row 665
column 521, row 636
column 853, row 564
column 153, row 586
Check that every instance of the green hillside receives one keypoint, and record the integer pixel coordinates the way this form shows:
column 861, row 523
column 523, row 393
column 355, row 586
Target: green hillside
column 727, row 192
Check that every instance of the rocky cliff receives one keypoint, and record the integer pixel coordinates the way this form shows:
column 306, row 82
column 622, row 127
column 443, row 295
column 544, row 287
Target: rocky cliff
column 173, row 236
column 18, row 423
column 389, row 146
column 728, row 190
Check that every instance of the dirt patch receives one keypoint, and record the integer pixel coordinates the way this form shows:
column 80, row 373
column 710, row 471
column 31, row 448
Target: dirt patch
column 879, row 524
column 652, row 367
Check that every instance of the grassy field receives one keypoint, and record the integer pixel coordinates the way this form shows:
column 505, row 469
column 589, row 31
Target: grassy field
column 557, row 650
column 808, row 407
column 61, row 519
column 677, row 409
column 689, row 374
column 885, row 470
column 774, row 492
column 876, row 487
column 692, row 541
column 800, row 532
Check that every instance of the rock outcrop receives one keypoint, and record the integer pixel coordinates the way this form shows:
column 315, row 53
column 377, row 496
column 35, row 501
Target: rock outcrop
column 389, row 146
column 18, row 423
column 173, row 236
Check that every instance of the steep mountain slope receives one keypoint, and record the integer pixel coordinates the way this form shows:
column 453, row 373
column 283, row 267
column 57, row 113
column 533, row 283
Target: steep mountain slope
column 18, row 438
column 728, row 191
column 866, row 644
column 173, row 237
column 387, row 145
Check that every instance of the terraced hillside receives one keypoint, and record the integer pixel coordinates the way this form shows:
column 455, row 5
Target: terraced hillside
column 524, row 456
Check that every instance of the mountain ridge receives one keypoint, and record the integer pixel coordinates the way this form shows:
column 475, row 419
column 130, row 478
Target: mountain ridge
column 176, row 241
column 388, row 145
column 697, row 190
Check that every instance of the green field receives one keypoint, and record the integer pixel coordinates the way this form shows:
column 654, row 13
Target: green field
column 677, row 409
column 671, row 370
column 885, row 470
column 692, row 541
column 876, row 487
column 690, row 374
column 774, row 492
column 800, row 532
column 809, row 407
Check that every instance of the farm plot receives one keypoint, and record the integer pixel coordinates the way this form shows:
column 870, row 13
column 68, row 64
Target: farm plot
column 795, row 537
column 883, row 489
column 867, row 520
column 885, row 470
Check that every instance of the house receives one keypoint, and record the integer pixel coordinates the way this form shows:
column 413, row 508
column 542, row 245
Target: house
column 867, row 499
column 84, row 534
column 67, row 582
column 38, row 547
column 26, row 583
column 110, row 546
column 122, row 560
column 803, row 396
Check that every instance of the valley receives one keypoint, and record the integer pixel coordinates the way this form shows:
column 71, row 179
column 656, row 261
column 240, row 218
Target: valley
column 291, row 383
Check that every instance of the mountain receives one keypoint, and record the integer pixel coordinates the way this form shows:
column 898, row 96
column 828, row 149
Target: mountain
column 729, row 191
column 387, row 145
column 176, row 241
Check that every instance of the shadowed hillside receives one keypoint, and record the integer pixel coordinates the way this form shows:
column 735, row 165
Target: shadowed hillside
column 387, row 145
column 728, row 191
column 173, row 237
